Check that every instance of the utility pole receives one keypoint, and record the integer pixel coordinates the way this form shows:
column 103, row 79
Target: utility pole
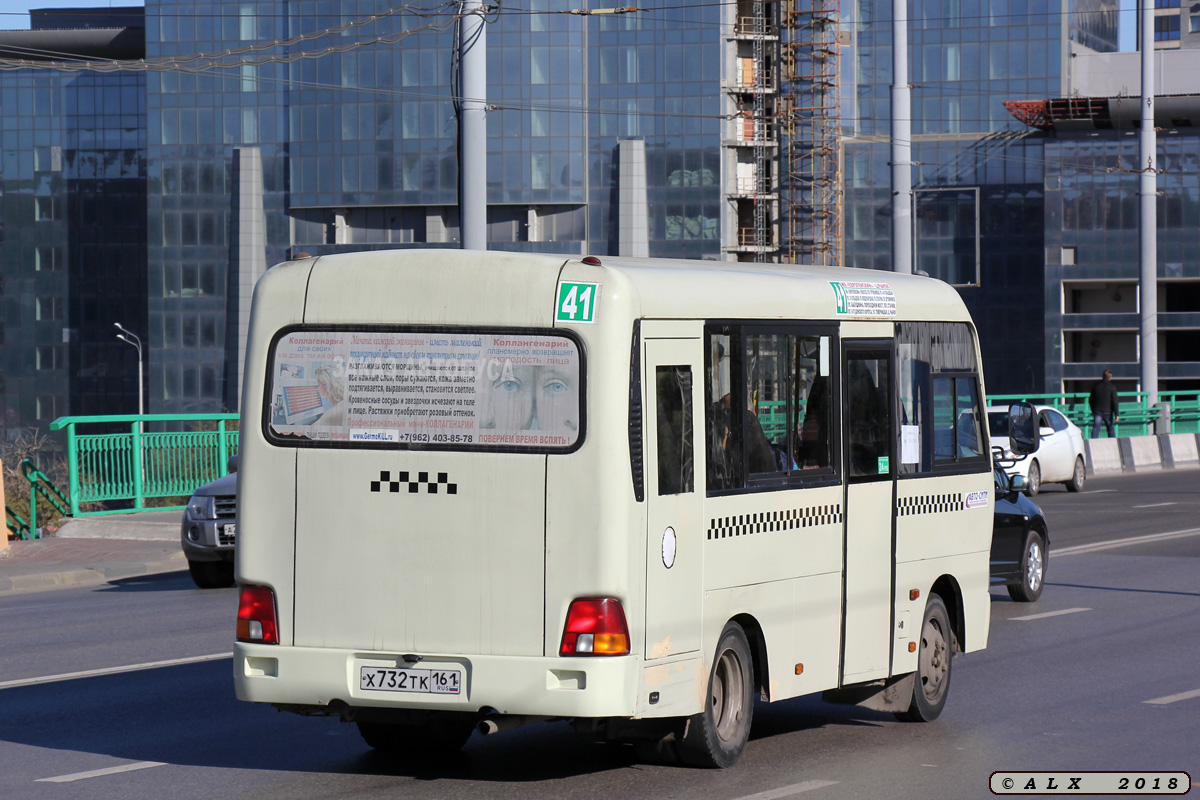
column 472, row 156
column 901, row 142
column 1148, row 214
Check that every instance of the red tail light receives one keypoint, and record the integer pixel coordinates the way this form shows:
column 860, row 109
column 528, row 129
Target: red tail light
column 595, row 627
column 256, row 620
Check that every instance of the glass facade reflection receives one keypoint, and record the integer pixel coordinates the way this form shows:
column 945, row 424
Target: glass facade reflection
column 978, row 175
column 1092, row 259
column 119, row 199
column 72, row 252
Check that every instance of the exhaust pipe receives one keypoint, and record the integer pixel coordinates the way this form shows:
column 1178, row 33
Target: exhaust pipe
column 506, row 722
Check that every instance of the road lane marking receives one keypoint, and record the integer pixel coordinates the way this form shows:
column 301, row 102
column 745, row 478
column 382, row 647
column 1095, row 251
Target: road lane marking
column 1157, row 505
column 788, row 791
column 92, row 673
column 97, row 773
column 1049, row 614
column 1174, row 698
column 1115, row 543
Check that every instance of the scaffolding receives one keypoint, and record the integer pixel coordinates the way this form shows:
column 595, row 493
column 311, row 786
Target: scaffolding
column 753, row 144
column 809, row 113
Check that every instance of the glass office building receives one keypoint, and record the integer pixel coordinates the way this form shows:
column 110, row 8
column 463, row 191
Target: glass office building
column 72, row 242
column 978, row 177
column 354, row 118
column 1092, row 272
column 275, row 127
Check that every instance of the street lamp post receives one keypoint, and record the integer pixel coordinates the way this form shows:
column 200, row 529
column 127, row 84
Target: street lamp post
column 131, row 338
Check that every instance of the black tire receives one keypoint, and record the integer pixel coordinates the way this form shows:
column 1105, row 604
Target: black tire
column 1033, row 570
column 1078, row 476
column 211, row 574
column 1033, row 483
column 717, row 736
column 934, row 655
column 438, row 735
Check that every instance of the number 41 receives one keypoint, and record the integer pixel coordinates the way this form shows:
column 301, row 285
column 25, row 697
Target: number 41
column 578, row 302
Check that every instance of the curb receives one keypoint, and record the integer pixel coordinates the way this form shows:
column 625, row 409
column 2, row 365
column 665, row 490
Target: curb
column 1142, row 453
column 89, row 577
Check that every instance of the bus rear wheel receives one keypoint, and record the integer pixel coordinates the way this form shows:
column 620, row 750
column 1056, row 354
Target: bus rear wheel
column 717, row 736
column 932, row 681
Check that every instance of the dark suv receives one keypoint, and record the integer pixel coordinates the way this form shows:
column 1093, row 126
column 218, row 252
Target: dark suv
column 209, row 531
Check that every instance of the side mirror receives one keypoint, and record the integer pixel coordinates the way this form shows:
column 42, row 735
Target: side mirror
column 232, row 464
column 1017, row 483
column 1023, row 432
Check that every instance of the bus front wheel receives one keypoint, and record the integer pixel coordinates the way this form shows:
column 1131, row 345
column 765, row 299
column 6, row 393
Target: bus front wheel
column 717, row 736
column 932, row 681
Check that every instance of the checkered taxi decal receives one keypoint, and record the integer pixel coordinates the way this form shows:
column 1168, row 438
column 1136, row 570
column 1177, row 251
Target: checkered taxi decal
column 929, row 504
column 746, row 524
column 414, row 484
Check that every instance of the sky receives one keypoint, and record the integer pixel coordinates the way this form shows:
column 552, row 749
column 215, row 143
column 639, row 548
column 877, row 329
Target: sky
column 14, row 13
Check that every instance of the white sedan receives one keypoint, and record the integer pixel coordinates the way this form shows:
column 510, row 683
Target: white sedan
column 1059, row 457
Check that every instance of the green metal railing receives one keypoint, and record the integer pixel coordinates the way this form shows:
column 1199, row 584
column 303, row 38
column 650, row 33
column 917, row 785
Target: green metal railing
column 140, row 465
column 1136, row 417
column 40, row 484
column 18, row 524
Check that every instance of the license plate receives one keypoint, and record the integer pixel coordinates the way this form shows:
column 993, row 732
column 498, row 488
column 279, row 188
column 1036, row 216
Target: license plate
column 425, row 681
column 229, row 530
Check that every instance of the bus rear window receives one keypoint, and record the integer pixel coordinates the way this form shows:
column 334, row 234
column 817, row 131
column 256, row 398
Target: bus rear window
column 458, row 389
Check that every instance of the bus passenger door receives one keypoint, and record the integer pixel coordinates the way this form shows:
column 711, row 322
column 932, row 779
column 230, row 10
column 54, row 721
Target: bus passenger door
column 869, row 466
column 674, row 535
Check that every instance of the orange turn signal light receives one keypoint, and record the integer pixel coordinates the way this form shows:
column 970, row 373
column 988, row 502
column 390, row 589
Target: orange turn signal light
column 913, row 594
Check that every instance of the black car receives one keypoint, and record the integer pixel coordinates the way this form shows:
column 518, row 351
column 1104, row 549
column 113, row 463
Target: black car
column 1020, row 540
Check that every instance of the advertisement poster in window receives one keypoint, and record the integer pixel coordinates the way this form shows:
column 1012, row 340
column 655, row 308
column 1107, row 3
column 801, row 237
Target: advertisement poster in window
column 503, row 390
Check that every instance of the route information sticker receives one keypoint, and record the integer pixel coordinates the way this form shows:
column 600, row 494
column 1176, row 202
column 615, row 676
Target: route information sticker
column 1079, row 783
column 864, row 299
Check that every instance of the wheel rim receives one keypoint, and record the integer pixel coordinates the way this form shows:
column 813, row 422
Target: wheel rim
column 728, row 691
column 935, row 661
column 1078, row 472
column 1035, row 477
column 1033, row 562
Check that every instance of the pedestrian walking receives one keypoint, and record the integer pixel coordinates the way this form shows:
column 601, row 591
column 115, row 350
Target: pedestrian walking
column 1104, row 403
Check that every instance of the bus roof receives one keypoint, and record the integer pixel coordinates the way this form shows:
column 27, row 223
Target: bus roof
column 451, row 286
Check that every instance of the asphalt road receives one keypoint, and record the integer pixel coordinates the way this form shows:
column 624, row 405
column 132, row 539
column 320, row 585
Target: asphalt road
column 1066, row 684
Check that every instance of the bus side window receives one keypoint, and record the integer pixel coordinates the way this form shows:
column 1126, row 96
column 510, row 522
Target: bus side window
column 814, row 414
column 724, row 425
column 674, row 414
column 767, row 393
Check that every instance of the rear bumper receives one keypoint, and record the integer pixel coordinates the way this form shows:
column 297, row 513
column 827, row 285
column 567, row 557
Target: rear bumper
column 552, row 687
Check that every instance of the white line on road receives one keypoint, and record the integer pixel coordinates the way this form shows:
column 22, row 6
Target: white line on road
column 1049, row 614
column 92, row 673
column 788, row 791
column 1157, row 505
column 1174, row 698
column 97, row 773
column 1114, row 543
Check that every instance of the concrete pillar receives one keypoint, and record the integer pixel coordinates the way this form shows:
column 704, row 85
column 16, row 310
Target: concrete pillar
column 247, row 262
column 633, row 210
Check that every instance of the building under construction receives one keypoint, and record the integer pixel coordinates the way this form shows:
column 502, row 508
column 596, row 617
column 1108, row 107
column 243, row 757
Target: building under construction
column 782, row 88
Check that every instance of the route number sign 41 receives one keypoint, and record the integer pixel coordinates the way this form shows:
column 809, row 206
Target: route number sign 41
column 576, row 302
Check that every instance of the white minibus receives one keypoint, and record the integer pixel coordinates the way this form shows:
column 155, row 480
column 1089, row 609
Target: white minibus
column 480, row 489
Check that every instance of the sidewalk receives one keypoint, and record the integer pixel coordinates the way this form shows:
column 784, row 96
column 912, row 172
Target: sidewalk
column 94, row 550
